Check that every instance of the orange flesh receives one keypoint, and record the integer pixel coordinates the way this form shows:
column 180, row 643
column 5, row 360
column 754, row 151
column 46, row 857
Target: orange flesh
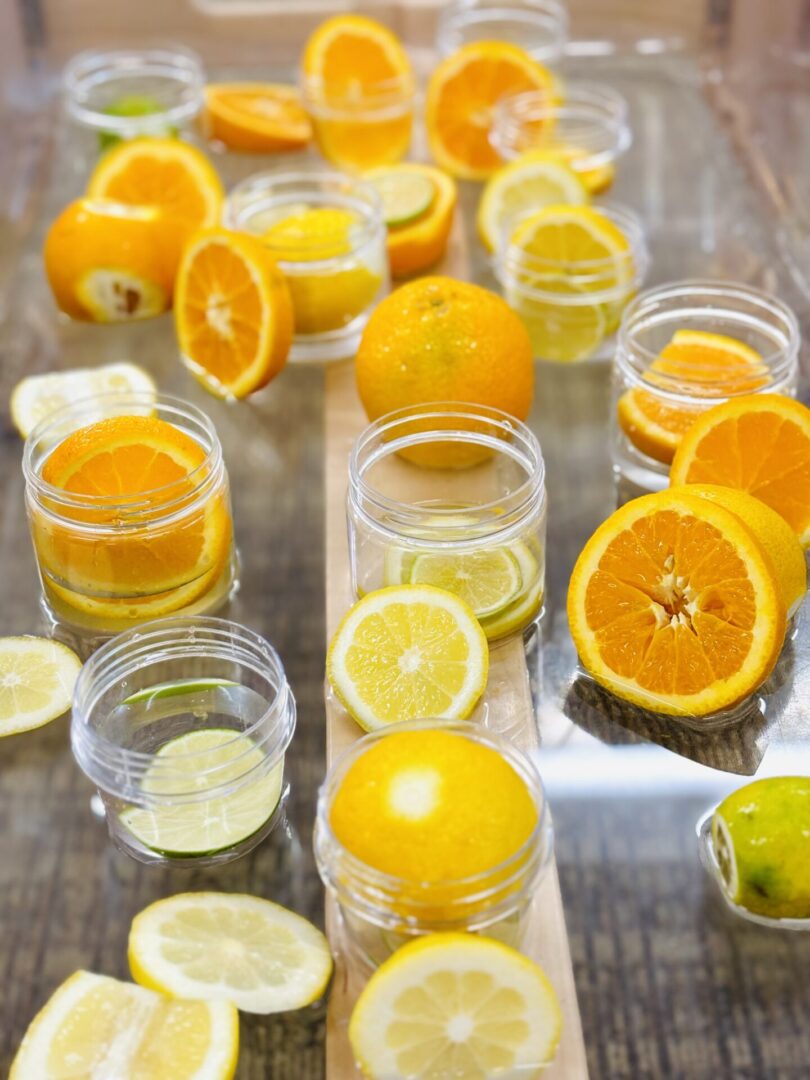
column 156, row 181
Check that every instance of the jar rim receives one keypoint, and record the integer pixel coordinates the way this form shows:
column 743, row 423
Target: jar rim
column 550, row 15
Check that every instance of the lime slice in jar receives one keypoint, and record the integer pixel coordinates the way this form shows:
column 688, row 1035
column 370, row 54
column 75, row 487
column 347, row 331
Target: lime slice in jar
column 488, row 579
column 174, row 689
column 405, row 196
column 130, row 106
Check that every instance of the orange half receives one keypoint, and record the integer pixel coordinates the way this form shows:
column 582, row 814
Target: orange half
column 351, row 52
column 419, row 244
column 257, row 117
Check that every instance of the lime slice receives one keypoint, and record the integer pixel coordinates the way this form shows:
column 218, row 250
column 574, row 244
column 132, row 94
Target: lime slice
column 134, row 105
column 36, row 682
column 405, row 195
column 209, row 825
column 526, row 606
column 487, row 580
column 174, row 689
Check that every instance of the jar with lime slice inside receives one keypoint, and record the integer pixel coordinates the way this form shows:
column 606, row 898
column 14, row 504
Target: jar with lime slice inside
column 452, row 496
column 183, row 725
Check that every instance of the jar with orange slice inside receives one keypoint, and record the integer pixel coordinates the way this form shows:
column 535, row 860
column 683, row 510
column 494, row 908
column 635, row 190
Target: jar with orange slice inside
column 682, row 348
column 395, row 816
column 326, row 233
column 129, row 510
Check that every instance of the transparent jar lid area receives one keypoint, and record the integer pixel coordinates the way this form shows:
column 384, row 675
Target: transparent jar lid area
column 538, row 26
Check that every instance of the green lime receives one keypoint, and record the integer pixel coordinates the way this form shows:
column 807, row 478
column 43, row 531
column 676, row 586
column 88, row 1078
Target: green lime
column 405, row 195
column 761, row 837
column 174, row 689
column 132, row 105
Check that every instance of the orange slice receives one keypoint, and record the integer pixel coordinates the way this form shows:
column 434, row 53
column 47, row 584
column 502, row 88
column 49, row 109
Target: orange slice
column 351, row 53
column 759, row 443
column 700, row 362
column 167, row 173
column 257, row 117
column 233, row 313
column 418, row 244
column 673, row 605
column 462, row 95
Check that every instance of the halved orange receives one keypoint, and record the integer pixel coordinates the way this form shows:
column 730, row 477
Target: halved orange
column 698, row 363
column 418, row 244
column 348, row 53
column 673, row 605
column 167, row 173
column 462, row 94
column 233, row 313
column 257, row 117
column 759, row 443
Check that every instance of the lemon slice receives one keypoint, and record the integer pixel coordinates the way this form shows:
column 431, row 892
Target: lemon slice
column 527, row 605
column 488, row 580
column 38, row 396
column 535, row 180
column 197, row 827
column 563, row 330
column 231, row 947
column 405, row 652
column 99, row 1027
column 455, row 1005
column 36, row 682
column 405, row 194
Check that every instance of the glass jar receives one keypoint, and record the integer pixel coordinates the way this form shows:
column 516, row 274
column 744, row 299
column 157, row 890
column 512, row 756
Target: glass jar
column 538, row 26
column 589, row 127
column 572, row 310
column 452, row 495
column 327, row 234
column 110, row 96
column 109, row 562
column 381, row 912
column 655, row 398
column 182, row 724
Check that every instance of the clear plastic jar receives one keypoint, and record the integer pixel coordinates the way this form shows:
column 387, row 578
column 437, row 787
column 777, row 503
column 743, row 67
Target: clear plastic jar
column 327, row 234
column 588, row 126
column 381, row 912
column 655, row 398
column 572, row 310
column 182, row 725
column 451, row 495
column 109, row 562
column 538, row 26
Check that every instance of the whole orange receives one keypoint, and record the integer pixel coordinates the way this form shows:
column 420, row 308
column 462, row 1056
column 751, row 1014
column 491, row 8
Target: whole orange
column 437, row 339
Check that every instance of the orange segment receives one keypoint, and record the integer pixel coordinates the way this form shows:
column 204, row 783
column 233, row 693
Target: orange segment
column 759, row 443
column 348, row 53
column 257, row 117
column 419, row 244
column 167, row 173
column 233, row 313
column 673, row 605
column 461, row 97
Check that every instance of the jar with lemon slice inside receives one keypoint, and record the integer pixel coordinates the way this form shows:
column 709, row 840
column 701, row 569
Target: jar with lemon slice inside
column 183, row 725
column 129, row 509
column 327, row 234
column 395, row 814
column 452, row 496
column 682, row 348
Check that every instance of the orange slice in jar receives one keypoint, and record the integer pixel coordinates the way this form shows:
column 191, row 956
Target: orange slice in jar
column 257, row 117
column 349, row 54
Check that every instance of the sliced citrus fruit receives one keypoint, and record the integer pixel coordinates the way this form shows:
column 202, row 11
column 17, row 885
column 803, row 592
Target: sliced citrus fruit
column 488, row 580
column 202, row 826
column 697, row 363
column 351, row 53
column 175, row 689
column 461, row 97
column 166, row 173
column 227, row 946
column 673, row 605
column 135, row 105
column 406, row 193
column 233, row 313
column 37, row 397
column 96, row 1026
column 759, row 443
column 562, row 323
column 455, row 1005
column 519, row 189
column 257, row 117
column 36, row 682
column 419, row 242
column 527, row 605
column 408, row 651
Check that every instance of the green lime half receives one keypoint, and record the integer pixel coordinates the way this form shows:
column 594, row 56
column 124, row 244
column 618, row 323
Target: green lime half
column 180, row 827
column 405, row 195
column 174, row 689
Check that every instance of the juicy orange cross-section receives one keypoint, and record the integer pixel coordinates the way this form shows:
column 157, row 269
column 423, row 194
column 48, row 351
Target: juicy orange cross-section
column 257, row 117
column 349, row 52
column 673, row 605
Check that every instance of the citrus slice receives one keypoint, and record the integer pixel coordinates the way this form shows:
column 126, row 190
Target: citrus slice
column 132, row 106
column 39, row 396
column 526, row 606
column 36, row 682
column 406, row 193
column 759, row 443
column 461, row 97
column 487, row 580
column 233, row 313
column 408, row 651
column 96, row 1026
column 417, row 244
column 167, row 173
column 535, row 180
column 455, row 1005
column 561, row 322
column 205, row 826
column 673, row 605
column 349, row 54
column 257, row 117
column 700, row 362
column 227, row 946
column 175, row 689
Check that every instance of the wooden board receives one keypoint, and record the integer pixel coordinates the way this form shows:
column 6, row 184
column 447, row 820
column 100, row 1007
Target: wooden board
column 508, row 687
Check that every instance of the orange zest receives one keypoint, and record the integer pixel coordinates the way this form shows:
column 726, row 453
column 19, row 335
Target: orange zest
column 257, row 117
column 233, row 313
column 419, row 244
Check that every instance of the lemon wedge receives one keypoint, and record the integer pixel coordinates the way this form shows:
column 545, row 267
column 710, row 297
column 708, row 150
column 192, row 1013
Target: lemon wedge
column 36, row 682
